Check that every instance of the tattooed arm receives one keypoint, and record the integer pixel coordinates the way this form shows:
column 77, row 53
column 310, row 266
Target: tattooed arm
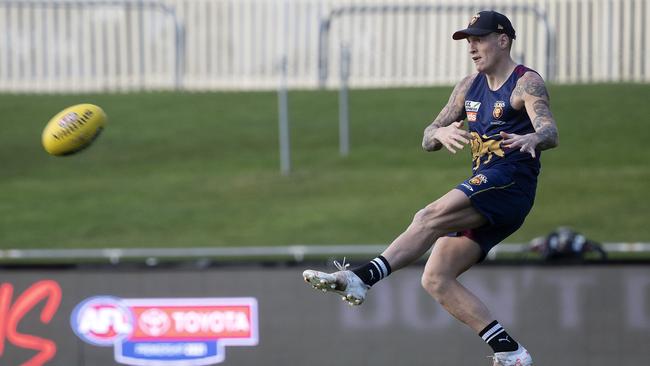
column 446, row 130
column 531, row 92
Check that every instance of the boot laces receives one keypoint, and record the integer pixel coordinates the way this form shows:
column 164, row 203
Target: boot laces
column 341, row 266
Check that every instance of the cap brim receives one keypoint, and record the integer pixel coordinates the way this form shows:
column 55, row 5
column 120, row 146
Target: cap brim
column 464, row 33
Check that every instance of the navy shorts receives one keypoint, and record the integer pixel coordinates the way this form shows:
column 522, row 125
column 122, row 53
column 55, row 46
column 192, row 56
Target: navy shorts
column 504, row 194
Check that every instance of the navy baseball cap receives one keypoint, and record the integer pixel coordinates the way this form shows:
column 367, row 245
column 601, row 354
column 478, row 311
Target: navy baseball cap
column 486, row 22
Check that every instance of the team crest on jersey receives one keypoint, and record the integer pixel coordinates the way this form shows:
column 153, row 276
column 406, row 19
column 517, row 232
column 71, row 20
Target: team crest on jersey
column 497, row 112
column 484, row 149
column 478, row 179
column 471, row 109
column 474, row 19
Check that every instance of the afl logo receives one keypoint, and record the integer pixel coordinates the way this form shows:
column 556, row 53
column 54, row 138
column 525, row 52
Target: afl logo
column 68, row 120
column 474, row 19
column 497, row 112
column 101, row 320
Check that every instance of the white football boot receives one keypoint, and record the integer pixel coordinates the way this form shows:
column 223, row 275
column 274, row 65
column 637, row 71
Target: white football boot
column 520, row 357
column 343, row 282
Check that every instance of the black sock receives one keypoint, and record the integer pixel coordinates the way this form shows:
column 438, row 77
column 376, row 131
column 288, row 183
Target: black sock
column 375, row 270
column 497, row 337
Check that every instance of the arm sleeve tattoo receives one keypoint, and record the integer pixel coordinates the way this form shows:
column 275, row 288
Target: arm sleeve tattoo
column 453, row 111
column 535, row 94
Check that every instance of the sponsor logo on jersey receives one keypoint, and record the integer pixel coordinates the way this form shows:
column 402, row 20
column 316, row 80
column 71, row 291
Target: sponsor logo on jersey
column 471, row 109
column 478, row 179
column 467, row 186
column 497, row 112
column 472, row 106
column 167, row 331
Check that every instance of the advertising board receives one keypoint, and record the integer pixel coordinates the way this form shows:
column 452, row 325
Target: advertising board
column 256, row 315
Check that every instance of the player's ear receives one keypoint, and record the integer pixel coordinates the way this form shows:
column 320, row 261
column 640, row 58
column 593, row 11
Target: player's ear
column 503, row 41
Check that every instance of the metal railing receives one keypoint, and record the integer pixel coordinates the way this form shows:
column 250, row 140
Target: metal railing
column 337, row 13
column 88, row 46
column 296, row 253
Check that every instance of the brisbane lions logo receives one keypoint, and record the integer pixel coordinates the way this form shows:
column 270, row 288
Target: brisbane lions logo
column 497, row 112
column 474, row 19
column 483, row 149
column 478, row 179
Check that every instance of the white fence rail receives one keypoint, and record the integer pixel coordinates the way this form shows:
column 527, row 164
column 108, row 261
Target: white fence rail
column 88, row 45
column 292, row 252
column 412, row 39
column 117, row 45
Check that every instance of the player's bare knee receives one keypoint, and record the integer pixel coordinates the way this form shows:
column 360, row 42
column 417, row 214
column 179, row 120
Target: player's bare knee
column 435, row 284
column 428, row 217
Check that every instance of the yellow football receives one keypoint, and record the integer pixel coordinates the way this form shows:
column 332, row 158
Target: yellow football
column 73, row 129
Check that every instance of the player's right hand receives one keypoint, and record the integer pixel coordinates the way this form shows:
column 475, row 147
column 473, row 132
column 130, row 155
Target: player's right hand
column 453, row 137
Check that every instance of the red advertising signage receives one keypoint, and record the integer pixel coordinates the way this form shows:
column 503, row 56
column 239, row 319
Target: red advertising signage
column 14, row 308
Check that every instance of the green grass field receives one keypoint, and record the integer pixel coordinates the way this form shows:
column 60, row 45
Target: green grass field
column 174, row 170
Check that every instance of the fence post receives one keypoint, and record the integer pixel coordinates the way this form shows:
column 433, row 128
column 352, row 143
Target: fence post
column 283, row 120
column 344, row 123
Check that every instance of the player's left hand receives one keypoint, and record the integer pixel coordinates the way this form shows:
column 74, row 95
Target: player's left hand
column 525, row 143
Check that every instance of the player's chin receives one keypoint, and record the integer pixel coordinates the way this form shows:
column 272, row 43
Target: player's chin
column 479, row 67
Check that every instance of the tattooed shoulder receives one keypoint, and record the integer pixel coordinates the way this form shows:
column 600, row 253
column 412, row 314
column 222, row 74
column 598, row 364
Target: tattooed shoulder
column 454, row 110
column 467, row 81
column 533, row 84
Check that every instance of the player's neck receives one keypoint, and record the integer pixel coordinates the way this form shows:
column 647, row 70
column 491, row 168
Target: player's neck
column 500, row 73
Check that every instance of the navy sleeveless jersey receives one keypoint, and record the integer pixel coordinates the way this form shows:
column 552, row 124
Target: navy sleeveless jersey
column 488, row 113
column 504, row 181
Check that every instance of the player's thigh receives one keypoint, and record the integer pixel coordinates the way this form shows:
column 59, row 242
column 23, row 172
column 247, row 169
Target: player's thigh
column 451, row 256
column 450, row 213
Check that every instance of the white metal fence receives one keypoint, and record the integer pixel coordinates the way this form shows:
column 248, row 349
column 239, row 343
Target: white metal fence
column 88, row 45
column 114, row 45
column 296, row 253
